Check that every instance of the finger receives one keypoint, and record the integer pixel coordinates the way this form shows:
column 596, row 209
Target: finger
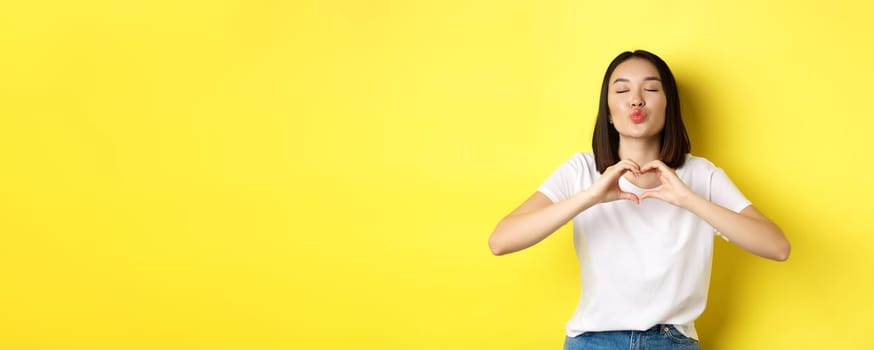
column 621, row 168
column 629, row 196
column 665, row 173
column 656, row 164
column 632, row 166
column 652, row 194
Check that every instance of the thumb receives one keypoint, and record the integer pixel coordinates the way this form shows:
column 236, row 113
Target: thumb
column 651, row 194
column 629, row 196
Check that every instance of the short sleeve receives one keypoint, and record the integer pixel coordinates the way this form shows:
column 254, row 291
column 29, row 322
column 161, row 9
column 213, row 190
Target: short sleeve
column 725, row 193
column 562, row 183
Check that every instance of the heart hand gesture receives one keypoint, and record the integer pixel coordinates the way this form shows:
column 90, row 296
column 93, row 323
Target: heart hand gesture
column 672, row 190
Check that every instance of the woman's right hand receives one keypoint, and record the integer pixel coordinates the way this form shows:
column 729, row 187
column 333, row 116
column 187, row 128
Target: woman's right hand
column 606, row 188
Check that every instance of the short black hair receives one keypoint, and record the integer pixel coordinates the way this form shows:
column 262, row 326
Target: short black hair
column 674, row 145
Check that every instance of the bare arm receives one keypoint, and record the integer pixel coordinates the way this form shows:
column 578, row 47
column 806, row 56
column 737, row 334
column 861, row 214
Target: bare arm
column 749, row 229
column 538, row 217
column 534, row 220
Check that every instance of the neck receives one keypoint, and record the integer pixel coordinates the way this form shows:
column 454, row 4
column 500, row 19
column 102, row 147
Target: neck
column 641, row 151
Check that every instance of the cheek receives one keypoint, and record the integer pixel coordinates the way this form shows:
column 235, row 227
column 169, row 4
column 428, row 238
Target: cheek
column 613, row 104
column 658, row 103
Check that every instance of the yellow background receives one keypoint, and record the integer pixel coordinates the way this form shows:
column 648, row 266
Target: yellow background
column 325, row 174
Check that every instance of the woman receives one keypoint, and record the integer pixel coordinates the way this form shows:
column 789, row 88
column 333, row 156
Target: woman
column 645, row 212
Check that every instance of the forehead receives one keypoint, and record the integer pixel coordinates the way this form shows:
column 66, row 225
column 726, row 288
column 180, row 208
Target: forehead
column 635, row 69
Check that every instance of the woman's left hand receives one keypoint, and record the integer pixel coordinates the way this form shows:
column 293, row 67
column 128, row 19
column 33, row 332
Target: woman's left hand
column 672, row 190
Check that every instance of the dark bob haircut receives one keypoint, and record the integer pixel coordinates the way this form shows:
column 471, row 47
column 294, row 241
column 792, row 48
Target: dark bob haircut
column 674, row 140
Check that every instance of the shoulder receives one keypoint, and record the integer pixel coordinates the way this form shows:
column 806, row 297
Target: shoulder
column 697, row 173
column 696, row 167
column 588, row 157
column 580, row 163
column 696, row 164
column 582, row 160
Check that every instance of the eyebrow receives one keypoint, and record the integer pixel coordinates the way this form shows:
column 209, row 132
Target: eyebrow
column 619, row 80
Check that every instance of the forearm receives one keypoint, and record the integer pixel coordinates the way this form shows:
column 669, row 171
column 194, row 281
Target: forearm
column 752, row 232
column 520, row 231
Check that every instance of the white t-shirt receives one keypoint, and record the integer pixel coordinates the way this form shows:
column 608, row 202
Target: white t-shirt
column 647, row 264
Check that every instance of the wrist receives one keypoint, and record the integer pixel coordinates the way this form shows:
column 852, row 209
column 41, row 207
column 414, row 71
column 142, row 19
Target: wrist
column 585, row 199
column 690, row 200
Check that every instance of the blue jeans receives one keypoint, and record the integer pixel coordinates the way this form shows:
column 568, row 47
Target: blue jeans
column 659, row 337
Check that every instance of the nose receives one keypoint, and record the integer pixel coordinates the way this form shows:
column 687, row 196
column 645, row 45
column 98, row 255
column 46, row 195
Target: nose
column 637, row 101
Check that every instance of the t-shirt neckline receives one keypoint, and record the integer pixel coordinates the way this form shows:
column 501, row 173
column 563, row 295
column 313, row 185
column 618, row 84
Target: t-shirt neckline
column 637, row 188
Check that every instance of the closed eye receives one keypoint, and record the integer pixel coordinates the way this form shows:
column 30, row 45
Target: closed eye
column 653, row 90
column 623, row 91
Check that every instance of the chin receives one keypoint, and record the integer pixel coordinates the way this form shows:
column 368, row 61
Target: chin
column 641, row 134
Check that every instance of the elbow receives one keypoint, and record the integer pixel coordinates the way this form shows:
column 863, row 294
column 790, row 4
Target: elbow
column 496, row 251
column 496, row 245
column 783, row 251
column 495, row 248
column 779, row 246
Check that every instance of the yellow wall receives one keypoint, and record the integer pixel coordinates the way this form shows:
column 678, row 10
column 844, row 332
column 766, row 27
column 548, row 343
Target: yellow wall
column 323, row 174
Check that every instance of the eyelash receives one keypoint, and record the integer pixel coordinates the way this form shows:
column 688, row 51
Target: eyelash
column 624, row 91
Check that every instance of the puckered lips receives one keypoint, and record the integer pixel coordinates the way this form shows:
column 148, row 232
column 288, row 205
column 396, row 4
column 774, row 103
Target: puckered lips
column 638, row 115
